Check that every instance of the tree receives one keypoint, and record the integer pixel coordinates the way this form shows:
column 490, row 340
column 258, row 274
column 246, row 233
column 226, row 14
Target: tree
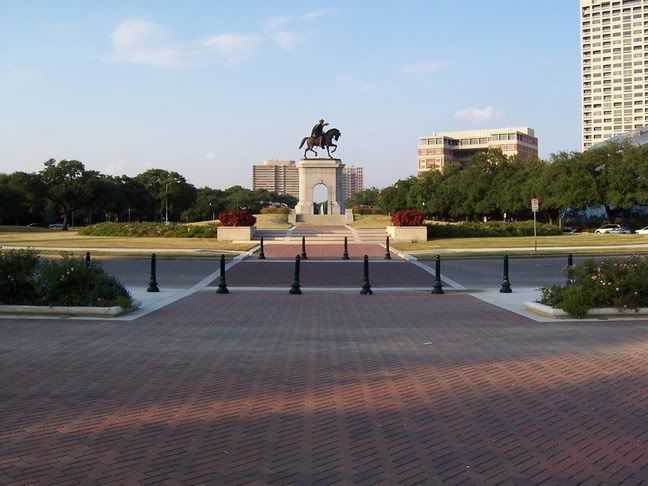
column 367, row 197
column 67, row 187
column 169, row 191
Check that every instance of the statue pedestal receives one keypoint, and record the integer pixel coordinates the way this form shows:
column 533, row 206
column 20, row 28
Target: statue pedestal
column 313, row 172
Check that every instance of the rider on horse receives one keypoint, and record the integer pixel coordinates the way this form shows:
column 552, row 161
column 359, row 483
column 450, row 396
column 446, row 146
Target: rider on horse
column 318, row 132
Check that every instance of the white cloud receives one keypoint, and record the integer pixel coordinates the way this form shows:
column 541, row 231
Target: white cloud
column 424, row 67
column 315, row 14
column 233, row 48
column 475, row 114
column 210, row 155
column 136, row 41
column 288, row 40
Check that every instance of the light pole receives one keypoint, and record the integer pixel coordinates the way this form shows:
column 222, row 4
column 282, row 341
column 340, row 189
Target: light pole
column 212, row 211
column 166, row 202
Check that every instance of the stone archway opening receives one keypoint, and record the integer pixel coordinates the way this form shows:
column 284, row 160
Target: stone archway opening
column 321, row 199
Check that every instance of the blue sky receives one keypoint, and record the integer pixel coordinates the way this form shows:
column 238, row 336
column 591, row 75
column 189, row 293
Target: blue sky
column 208, row 88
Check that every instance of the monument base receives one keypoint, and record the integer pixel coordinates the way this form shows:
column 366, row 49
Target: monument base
column 313, row 172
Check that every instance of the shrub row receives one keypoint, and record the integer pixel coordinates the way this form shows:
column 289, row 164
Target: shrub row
column 271, row 210
column 614, row 282
column 494, row 228
column 235, row 217
column 27, row 280
column 364, row 209
column 151, row 230
column 408, row 217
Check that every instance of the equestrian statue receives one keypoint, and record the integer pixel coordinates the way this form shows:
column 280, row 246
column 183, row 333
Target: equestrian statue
column 320, row 138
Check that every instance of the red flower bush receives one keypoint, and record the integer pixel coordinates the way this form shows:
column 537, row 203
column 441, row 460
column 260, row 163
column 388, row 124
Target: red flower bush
column 234, row 217
column 409, row 217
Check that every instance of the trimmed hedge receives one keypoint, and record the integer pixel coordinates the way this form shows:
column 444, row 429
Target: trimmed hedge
column 25, row 279
column 493, row 228
column 364, row 209
column 613, row 282
column 151, row 230
column 272, row 210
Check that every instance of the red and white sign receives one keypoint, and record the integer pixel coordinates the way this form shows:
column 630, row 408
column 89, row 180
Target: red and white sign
column 535, row 204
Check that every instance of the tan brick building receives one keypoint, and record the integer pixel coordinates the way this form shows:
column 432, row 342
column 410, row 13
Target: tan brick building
column 280, row 176
column 441, row 148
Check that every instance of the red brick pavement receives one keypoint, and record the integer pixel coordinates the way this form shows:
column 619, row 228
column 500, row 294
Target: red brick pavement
column 315, row 273
column 326, row 250
column 250, row 388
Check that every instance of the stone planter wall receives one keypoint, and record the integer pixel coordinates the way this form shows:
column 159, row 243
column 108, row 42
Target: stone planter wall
column 407, row 233
column 236, row 233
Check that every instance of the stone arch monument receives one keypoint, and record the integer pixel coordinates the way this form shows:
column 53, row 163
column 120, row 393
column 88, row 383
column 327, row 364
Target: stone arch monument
column 313, row 172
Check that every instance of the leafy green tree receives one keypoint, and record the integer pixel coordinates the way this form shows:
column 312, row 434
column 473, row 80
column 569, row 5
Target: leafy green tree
column 168, row 190
column 67, row 187
column 367, row 197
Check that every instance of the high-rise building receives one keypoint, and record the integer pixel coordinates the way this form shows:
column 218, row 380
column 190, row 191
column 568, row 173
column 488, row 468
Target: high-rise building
column 614, row 63
column 280, row 176
column 353, row 180
column 439, row 149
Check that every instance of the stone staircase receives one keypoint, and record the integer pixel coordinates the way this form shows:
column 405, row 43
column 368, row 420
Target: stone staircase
column 323, row 234
column 322, row 219
column 370, row 235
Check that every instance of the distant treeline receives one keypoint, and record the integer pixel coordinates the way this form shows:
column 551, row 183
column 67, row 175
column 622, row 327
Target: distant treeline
column 64, row 191
column 492, row 185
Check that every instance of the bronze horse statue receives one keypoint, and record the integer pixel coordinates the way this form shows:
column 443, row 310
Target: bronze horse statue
column 325, row 141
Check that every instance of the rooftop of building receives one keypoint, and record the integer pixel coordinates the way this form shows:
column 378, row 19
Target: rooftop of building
column 485, row 132
column 277, row 162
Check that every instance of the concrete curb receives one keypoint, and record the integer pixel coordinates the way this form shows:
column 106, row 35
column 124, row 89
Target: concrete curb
column 545, row 310
column 64, row 311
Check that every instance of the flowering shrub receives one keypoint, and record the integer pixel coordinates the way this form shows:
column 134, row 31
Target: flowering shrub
column 364, row 209
column 26, row 280
column 409, row 217
column 235, row 217
column 151, row 230
column 271, row 210
column 614, row 282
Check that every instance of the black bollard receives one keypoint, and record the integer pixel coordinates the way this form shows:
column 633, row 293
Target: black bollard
column 506, row 283
column 345, row 255
column 438, row 286
column 366, row 287
column 387, row 253
column 87, row 259
column 570, row 265
column 222, row 283
column 303, row 253
column 295, row 288
column 261, row 252
column 153, row 285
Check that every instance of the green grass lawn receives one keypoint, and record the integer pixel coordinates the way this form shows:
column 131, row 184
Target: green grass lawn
column 371, row 220
column 524, row 242
column 71, row 239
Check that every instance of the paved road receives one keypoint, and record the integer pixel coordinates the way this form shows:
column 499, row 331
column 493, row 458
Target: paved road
column 339, row 388
column 180, row 273
column 487, row 272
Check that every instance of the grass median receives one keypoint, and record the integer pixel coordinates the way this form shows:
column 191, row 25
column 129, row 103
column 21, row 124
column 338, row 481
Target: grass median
column 524, row 244
column 56, row 239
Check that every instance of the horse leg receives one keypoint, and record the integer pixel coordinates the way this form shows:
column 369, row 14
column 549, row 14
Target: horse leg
column 334, row 147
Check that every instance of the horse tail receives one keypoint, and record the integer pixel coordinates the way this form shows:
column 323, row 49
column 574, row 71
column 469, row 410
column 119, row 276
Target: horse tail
column 303, row 142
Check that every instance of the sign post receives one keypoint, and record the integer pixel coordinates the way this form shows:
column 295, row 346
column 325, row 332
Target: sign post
column 535, row 205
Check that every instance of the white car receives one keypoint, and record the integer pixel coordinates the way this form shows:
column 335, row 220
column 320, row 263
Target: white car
column 642, row 231
column 616, row 229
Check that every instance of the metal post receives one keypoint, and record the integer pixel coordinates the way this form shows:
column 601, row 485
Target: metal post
column 303, row 253
column 570, row 265
column 438, row 286
column 366, row 287
column 222, row 283
column 261, row 252
column 506, row 283
column 87, row 259
column 535, row 232
column 345, row 255
column 153, row 285
column 295, row 288
column 387, row 253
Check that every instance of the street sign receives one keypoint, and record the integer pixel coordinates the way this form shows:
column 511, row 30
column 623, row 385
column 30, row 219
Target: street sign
column 535, row 204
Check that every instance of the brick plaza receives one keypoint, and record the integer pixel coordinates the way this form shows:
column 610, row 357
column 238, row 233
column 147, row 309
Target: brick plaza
column 323, row 388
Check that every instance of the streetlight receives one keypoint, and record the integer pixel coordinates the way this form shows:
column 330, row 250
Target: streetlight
column 166, row 202
column 212, row 211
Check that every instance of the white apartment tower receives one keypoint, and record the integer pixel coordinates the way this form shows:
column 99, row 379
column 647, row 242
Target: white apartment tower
column 614, row 36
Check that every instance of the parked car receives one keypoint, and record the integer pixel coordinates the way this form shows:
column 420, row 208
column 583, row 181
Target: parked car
column 616, row 229
column 642, row 231
column 55, row 226
column 37, row 225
